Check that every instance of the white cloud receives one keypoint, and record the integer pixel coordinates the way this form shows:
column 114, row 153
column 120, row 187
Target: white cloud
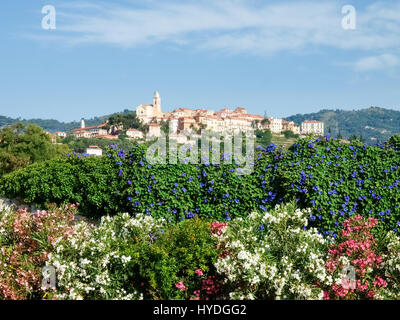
column 376, row 63
column 232, row 26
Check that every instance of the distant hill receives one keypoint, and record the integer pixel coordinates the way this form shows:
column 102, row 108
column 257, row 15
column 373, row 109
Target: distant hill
column 373, row 124
column 55, row 125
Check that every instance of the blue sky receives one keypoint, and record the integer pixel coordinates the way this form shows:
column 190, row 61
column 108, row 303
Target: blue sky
column 279, row 57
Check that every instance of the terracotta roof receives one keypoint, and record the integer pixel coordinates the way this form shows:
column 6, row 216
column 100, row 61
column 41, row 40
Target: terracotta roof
column 312, row 121
column 91, row 127
column 94, row 147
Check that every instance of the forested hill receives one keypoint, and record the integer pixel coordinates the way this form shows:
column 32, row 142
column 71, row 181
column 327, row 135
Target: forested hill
column 55, row 125
column 373, row 124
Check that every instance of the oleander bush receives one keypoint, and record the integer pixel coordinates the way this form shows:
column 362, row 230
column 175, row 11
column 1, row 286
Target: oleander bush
column 26, row 240
column 356, row 248
column 272, row 256
column 134, row 258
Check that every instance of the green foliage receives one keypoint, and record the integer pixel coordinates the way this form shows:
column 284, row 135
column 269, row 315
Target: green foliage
column 340, row 180
column 263, row 137
column 127, row 121
column 334, row 179
column 125, row 182
column 67, row 180
column 81, row 144
column 22, row 145
column 174, row 256
column 395, row 141
column 290, row 135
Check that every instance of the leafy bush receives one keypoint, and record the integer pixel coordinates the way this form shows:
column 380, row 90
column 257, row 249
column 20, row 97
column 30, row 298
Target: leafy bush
column 125, row 182
column 340, row 180
column 22, row 145
column 87, row 181
column 290, row 134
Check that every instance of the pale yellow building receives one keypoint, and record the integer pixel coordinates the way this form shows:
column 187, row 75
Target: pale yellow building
column 147, row 112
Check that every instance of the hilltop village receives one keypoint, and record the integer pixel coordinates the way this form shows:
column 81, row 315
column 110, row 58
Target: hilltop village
column 182, row 121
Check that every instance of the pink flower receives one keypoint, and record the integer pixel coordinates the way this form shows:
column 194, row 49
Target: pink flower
column 180, row 286
column 199, row 272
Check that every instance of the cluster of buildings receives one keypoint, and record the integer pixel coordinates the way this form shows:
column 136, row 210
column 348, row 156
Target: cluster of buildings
column 225, row 120
column 184, row 120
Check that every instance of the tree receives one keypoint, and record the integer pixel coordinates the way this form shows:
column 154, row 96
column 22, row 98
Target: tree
column 127, row 121
column 21, row 145
column 263, row 137
column 290, row 134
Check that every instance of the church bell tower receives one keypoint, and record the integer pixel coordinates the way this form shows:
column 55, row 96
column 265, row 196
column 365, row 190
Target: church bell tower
column 157, row 103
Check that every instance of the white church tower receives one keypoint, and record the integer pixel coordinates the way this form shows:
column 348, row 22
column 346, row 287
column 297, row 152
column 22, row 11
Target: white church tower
column 147, row 112
column 83, row 123
column 157, row 103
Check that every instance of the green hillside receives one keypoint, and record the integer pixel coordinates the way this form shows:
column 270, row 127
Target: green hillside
column 373, row 124
column 55, row 125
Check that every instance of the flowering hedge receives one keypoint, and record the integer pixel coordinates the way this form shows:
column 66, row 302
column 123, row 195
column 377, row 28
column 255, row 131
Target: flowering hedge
column 335, row 180
column 264, row 256
column 339, row 181
column 124, row 181
column 134, row 258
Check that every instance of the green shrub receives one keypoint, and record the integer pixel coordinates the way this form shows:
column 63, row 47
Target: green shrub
column 340, row 180
column 125, row 182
